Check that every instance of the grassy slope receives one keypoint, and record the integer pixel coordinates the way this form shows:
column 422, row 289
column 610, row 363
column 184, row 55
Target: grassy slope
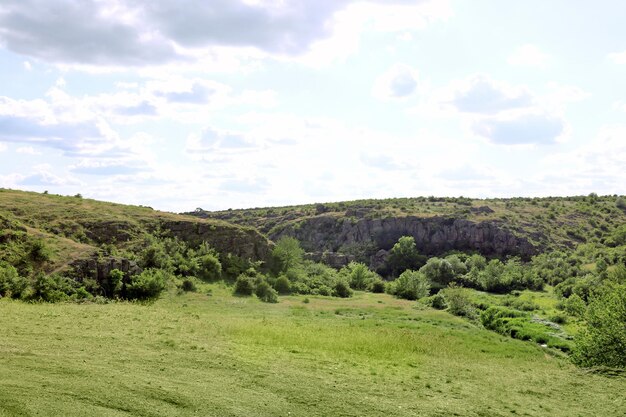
column 62, row 222
column 552, row 221
column 225, row 356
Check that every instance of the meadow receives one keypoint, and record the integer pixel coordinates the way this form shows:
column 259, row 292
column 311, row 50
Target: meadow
column 208, row 353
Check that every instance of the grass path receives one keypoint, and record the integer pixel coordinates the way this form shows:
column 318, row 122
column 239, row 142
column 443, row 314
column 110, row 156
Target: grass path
column 199, row 355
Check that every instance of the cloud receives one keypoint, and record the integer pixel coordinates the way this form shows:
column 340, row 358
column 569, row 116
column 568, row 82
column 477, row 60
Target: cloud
column 210, row 141
column 618, row 57
column 27, row 150
column 380, row 161
column 399, row 81
column 526, row 128
column 143, row 32
column 66, row 136
column 528, row 56
column 246, row 186
column 87, row 32
column 480, row 94
column 197, row 94
column 143, row 108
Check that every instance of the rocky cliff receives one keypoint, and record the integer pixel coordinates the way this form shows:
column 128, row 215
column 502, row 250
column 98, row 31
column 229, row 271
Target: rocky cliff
column 433, row 235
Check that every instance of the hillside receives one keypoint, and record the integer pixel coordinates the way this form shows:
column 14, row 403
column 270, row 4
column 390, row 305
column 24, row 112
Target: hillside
column 73, row 228
column 493, row 227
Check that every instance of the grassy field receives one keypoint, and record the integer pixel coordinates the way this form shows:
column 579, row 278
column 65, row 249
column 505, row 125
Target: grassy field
column 218, row 355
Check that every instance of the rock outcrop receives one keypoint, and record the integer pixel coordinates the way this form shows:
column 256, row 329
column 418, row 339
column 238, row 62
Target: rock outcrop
column 243, row 242
column 99, row 268
column 433, row 235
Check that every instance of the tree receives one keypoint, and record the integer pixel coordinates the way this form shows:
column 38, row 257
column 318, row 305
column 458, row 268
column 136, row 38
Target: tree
column 603, row 341
column 403, row 256
column 410, row 285
column 439, row 271
column 287, row 253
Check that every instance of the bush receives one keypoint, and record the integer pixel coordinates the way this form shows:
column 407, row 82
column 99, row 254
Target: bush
column 282, row 285
column 209, row 267
column 11, row 283
column 342, row 289
column 459, row 302
column 358, row 275
column 266, row 293
column 603, row 341
column 147, row 285
column 377, row 286
column 575, row 306
column 437, row 301
column 410, row 285
column 52, row 288
column 112, row 285
column 188, row 286
column 438, row 271
column 244, row 285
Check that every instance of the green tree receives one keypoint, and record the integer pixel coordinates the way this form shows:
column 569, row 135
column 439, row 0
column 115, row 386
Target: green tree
column 439, row 271
column 603, row 341
column 403, row 256
column 287, row 254
column 410, row 285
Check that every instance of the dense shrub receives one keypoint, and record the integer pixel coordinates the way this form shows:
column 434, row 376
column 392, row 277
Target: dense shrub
column 459, row 302
column 410, row 285
column 358, row 275
column 603, row 341
column 437, row 301
column 377, row 286
column 282, row 285
column 147, row 285
column 188, row 285
column 11, row 283
column 244, row 285
column 342, row 289
column 266, row 293
column 574, row 306
column 209, row 267
column 439, row 272
column 53, row 288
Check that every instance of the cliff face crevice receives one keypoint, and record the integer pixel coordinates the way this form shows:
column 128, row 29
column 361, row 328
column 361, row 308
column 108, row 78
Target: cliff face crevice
column 433, row 235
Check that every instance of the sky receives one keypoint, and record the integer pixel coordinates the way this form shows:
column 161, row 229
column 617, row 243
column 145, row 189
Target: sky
column 185, row 104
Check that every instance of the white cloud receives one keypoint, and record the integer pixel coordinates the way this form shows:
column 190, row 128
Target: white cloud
column 3, row 147
column 27, row 150
column 618, row 57
column 28, row 66
column 480, row 94
column 521, row 128
column 529, row 56
column 398, row 82
column 109, row 33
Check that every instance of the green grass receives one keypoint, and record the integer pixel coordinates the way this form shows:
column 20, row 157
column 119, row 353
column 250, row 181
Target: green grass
column 221, row 355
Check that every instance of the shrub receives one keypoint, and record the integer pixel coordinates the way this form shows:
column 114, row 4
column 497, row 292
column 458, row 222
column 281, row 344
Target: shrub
column 52, row 288
column 438, row 271
column 113, row 283
column 282, row 285
column 342, row 289
column 244, row 285
column 11, row 283
column 147, row 285
column 458, row 301
column 437, row 301
column 575, row 306
column 602, row 342
column 377, row 286
column 209, row 267
column 188, row 285
column 266, row 293
column 358, row 275
column 410, row 285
